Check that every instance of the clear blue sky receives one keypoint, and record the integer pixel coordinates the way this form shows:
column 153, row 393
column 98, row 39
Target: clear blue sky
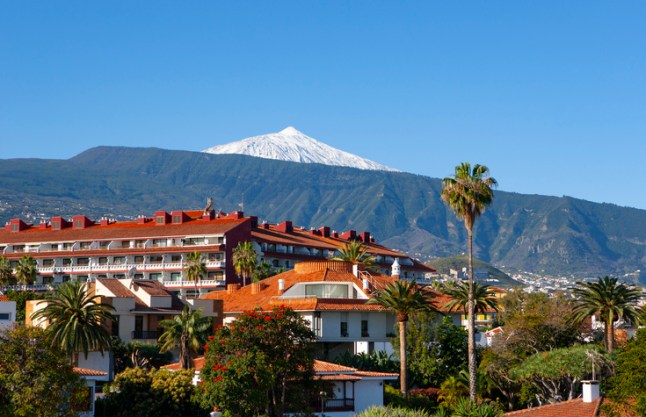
column 551, row 95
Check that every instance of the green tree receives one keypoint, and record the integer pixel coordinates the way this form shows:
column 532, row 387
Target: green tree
column 195, row 268
column 610, row 300
column 36, row 379
column 26, row 270
column 355, row 252
column 557, row 374
column 21, row 298
column 6, row 271
column 483, row 298
column 245, row 260
column 261, row 364
column 150, row 393
column 627, row 388
column 188, row 332
column 468, row 193
column 404, row 298
column 77, row 320
column 436, row 349
column 263, row 271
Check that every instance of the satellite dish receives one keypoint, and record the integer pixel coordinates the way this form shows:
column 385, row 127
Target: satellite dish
column 132, row 272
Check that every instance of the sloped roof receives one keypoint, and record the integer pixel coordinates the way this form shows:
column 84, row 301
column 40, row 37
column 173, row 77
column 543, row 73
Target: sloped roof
column 267, row 295
column 153, row 288
column 88, row 372
column 572, row 408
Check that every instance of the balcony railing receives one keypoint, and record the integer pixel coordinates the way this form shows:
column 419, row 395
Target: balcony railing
column 146, row 334
column 202, row 283
column 335, row 404
column 124, row 267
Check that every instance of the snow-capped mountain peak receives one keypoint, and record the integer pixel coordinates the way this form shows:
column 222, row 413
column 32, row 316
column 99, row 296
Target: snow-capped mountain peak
column 291, row 145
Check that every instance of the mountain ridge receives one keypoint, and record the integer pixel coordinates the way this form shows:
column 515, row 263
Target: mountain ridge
column 291, row 145
column 541, row 234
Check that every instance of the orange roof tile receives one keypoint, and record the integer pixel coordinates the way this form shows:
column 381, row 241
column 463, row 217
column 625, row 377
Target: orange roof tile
column 4, row 298
column 329, row 367
column 377, row 374
column 88, row 372
column 268, row 296
column 198, row 364
column 572, row 408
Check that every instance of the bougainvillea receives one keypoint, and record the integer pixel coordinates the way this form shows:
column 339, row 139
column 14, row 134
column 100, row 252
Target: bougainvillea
column 261, row 364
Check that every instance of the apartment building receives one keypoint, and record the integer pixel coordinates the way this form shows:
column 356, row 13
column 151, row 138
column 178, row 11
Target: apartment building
column 156, row 248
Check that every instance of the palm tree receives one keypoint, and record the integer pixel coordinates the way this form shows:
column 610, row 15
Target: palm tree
column 5, row 271
column 483, row 298
column 245, row 260
column 403, row 297
column 77, row 320
column 188, row 332
column 26, row 270
column 608, row 298
column 195, row 268
column 355, row 252
column 468, row 193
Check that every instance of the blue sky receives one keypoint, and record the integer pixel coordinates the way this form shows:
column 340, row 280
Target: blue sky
column 550, row 95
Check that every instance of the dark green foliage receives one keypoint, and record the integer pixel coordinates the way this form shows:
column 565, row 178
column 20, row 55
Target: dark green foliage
column 436, row 348
column 558, row 235
column 628, row 387
column 36, row 379
column 393, row 398
column 375, row 361
column 131, row 354
column 21, row 298
column 150, row 393
column 261, row 364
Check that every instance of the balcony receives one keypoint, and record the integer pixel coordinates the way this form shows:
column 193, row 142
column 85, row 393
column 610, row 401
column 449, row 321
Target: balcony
column 146, row 334
column 191, row 284
column 335, row 404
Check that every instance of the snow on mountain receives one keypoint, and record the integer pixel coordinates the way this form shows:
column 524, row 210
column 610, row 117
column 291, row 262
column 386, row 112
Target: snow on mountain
column 291, row 145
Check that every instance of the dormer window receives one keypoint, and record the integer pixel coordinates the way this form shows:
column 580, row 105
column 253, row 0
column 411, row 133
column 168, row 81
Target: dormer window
column 56, row 225
column 161, row 220
column 177, row 219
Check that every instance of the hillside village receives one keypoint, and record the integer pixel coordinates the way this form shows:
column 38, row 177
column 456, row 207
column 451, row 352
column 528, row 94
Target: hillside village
column 142, row 271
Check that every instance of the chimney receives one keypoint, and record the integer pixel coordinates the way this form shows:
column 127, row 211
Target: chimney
column 590, row 391
column 325, row 231
column 281, row 285
column 285, row 227
column 365, row 237
column 231, row 288
column 396, row 269
column 256, row 287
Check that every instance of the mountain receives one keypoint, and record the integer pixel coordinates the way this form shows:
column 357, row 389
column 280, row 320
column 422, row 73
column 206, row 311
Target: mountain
column 497, row 278
column 549, row 235
column 291, row 145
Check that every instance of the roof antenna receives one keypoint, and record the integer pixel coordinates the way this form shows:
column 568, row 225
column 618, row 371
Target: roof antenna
column 209, row 205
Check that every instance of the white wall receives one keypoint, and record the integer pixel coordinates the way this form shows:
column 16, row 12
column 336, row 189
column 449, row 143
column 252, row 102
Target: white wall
column 368, row 393
column 97, row 362
column 8, row 307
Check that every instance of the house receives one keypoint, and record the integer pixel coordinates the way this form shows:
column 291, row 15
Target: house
column 331, row 295
column 7, row 312
column 156, row 247
column 352, row 391
column 91, row 377
column 587, row 406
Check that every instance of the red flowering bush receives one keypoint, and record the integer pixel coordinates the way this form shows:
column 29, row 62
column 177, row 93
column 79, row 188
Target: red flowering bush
column 260, row 364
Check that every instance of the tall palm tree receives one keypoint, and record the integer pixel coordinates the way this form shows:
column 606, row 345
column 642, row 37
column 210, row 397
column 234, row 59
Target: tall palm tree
column 403, row 297
column 195, row 268
column 608, row 298
column 6, row 271
column 26, row 270
column 483, row 298
column 245, row 260
column 188, row 332
column 77, row 320
column 355, row 252
column 468, row 193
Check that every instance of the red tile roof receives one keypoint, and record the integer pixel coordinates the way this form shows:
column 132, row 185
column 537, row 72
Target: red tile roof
column 572, row 408
column 88, row 372
column 198, row 364
column 4, row 298
column 267, row 295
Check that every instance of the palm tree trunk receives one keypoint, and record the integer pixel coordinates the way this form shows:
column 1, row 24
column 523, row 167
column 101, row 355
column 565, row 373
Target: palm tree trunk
column 610, row 332
column 402, row 359
column 472, row 327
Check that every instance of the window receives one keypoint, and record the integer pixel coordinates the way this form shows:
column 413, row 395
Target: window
column 67, row 261
column 161, row 220
column 327, row 290
column 56, row 225
column 139, row 259
column 364, row 328
column 15, row 227
column 48, row 262
column 159, row 243
column 5, row 316
column 103, row 260
column 83, row 261
column 175, row 276
column 119, row 260
column 217, row 275
column 155, row 258
column 156, row 276
column 214, row 256
column 177, row 219
column 85, row 245
column 114, row 328
column 344, row 324
column 176, row 258
column 78, row 224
